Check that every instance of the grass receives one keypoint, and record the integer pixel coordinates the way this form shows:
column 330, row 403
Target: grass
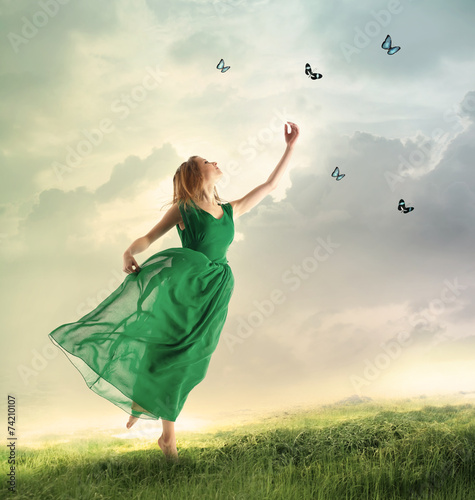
column 370, row 451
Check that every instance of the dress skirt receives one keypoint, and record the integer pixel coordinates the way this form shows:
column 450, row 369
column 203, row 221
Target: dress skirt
column 149, row 343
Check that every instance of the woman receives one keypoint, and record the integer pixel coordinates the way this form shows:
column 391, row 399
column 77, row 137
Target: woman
column 150, row 342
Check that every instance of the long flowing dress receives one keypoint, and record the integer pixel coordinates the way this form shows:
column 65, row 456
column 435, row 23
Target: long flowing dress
column 149, row 343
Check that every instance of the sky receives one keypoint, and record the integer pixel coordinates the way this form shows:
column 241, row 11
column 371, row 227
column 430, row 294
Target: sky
column 337, row 292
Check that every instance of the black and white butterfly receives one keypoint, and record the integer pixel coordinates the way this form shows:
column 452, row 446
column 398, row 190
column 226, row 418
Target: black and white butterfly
column 336, row 173
column 386, row 45
column 402, row 207
column 313, row 76
column 222, row 67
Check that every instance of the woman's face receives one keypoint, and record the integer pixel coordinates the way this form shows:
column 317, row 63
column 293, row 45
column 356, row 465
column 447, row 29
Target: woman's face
column 209, row 169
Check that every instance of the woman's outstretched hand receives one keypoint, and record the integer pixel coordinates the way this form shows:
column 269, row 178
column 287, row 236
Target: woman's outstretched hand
column 291, row 137
column 129, row 261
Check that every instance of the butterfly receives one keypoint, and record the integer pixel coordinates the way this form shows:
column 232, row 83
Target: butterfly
column 336, row 173
column 386, row 45
column 402, row 207
column 222, row 67
column 313, row 76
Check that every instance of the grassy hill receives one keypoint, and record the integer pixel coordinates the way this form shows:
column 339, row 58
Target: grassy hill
column 350, row 450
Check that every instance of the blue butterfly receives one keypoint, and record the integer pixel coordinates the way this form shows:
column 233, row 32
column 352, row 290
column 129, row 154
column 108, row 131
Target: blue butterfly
column 313, row 76
column 222, row 67
column 386, row 45
column 336, row 173
column 402, row 207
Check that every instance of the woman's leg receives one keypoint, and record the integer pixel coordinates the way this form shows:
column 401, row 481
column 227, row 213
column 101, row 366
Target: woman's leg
column 168, row 431
column 167, row 441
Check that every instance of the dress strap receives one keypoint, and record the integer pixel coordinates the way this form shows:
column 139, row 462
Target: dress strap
column 186, row 216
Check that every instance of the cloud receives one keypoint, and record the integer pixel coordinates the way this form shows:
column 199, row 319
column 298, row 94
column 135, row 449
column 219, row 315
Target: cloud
column 133, row 175
column 467, row 106
column 69, row 221
column 57, row 216
column 462, row 349
column 384, row 257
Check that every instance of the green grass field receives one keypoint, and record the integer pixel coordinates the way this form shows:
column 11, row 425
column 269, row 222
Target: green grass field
column 371, row 451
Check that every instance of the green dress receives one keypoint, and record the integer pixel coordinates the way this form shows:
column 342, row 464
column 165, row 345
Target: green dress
column 151, row 340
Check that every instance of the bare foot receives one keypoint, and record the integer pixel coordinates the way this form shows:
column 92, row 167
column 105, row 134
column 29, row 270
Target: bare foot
column 131, row 421
column 168, row 448
column 132, row 418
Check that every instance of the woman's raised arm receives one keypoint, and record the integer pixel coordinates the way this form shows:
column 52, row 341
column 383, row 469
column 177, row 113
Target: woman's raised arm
column 255, row 196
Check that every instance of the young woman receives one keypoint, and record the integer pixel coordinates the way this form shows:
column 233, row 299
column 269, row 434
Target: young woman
column 148, row 344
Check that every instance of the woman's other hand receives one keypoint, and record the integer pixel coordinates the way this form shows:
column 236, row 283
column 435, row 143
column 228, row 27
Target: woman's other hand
column 129, row 263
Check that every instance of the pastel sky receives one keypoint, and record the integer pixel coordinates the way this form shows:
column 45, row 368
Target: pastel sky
column 337, row 292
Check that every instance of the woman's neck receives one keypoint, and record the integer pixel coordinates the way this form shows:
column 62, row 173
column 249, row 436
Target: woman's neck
column 211, row 201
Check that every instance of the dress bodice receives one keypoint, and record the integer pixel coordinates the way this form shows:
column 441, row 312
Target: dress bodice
column 205, row 233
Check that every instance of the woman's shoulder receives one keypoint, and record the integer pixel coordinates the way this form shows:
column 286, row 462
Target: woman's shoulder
column 227, row 204
column 185, row 205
